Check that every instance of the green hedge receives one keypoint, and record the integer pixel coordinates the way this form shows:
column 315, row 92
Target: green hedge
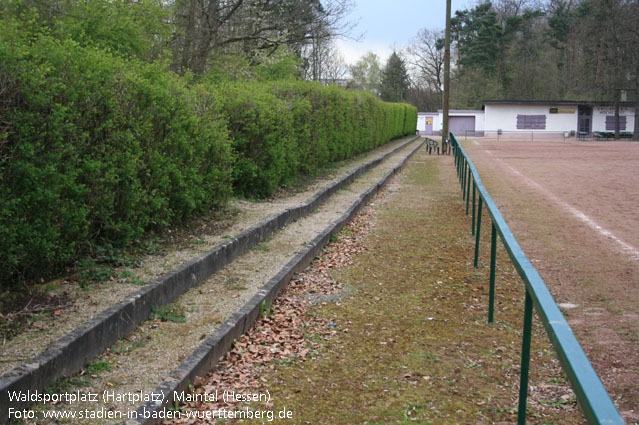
column 285, row 129
column 95, row 150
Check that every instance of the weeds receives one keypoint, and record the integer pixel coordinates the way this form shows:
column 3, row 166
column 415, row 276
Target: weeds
column 168, row 313
column 125, row 347
column 264, row 310
column 94, row 368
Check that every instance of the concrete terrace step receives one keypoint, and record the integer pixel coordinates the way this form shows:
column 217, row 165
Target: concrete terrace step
column 70, row 353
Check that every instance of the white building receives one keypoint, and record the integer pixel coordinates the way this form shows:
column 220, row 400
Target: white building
column 553, row 119
column 428, row 123
column 461, row 122
column 532, row 119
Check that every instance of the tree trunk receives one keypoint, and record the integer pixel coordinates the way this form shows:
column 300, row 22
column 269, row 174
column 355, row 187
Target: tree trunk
column 635, row 135
column 445, row 147
column 617, row 95
column 189, row 36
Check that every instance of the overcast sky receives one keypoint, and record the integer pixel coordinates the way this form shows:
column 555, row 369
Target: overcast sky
column 388, row 24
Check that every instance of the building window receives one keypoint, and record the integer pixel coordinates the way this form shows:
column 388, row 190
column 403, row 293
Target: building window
column 610, row 123
column 531, row 122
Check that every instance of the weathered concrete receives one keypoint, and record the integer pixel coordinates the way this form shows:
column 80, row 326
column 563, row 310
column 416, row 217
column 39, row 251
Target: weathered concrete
column 206, row 356
column 71, row 352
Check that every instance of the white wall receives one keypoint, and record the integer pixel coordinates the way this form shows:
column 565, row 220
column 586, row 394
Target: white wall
column 479, row 118
column 599, row 114
column 504, row 117
column 437, row 123
column 421, row 121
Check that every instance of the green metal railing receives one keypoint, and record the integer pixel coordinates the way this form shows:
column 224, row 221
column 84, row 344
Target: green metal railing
column 591, row 394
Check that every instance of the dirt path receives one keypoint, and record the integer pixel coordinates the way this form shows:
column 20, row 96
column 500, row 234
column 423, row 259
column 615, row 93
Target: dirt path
column 408, row 340
column 573, row 209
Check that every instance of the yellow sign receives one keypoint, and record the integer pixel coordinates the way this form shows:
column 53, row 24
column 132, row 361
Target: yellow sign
column 562, row 111
column 429, row 121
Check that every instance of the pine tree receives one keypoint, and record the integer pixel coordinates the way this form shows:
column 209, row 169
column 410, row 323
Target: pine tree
column 394, row 79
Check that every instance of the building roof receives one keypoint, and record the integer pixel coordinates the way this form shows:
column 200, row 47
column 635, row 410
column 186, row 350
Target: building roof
column 462, row 111
column 555, row 102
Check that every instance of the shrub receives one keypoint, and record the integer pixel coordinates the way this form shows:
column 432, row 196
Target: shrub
column 284, row 129
column 263, row 138
column 96, row 150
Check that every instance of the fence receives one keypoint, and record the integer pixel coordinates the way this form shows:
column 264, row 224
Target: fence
column 591, row 394
column 531, row 135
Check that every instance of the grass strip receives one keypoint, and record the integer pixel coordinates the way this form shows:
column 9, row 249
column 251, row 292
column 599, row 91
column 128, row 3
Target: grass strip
column 412, row 341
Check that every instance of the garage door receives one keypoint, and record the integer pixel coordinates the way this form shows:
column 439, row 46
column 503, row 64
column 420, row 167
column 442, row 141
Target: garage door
column 461, row 126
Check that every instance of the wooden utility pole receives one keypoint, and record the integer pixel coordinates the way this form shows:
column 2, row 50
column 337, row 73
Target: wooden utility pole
column 445, row 144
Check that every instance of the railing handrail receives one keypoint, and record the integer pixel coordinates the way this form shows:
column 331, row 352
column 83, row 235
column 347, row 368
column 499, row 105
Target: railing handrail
column 593, row 398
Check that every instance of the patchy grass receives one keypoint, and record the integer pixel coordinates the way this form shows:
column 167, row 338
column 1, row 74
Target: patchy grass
column 413, row 344
column 125, row 346
column 168, row 313
column 98, row 366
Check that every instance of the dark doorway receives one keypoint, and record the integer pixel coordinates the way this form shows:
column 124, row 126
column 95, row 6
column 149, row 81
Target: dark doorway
column 584, row 121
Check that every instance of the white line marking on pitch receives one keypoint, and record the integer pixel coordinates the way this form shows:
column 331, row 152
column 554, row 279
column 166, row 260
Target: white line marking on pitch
column 624, row 246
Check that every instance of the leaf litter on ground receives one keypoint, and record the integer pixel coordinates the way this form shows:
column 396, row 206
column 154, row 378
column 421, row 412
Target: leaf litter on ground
column 286, row 332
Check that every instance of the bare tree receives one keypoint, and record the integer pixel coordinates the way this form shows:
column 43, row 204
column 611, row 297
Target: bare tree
column 426, row 55
column 511, row 8
column 318, row 51
column 606, row 42
column 204, row 27
column 334, row 66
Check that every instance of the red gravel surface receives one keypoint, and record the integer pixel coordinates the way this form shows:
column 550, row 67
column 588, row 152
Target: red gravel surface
column 573, row 207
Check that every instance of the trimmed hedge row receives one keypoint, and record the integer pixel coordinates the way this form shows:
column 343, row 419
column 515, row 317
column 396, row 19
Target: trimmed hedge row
column 282, row 130
column 96, row 150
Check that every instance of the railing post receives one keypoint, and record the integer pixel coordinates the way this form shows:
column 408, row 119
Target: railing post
column 478, row 231
column 468, row 190
column 464, row 178
column 464, row 182
column 493, row 260
column 473, row 221
column 525, row 360
column 595, row 402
